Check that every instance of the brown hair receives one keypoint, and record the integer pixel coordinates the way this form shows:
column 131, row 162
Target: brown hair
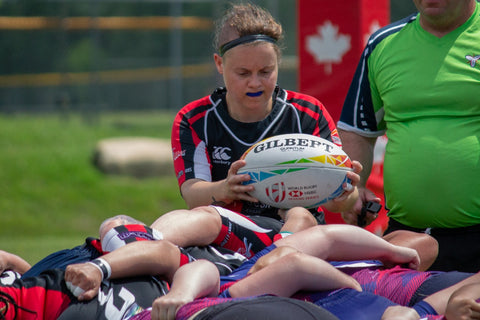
column 246, row 19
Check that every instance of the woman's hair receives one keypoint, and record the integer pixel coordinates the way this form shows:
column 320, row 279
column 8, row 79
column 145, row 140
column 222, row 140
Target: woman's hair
column 246, row 19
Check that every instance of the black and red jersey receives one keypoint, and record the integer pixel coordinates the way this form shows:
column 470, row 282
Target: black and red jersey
column 206, row 139
column 47, row 297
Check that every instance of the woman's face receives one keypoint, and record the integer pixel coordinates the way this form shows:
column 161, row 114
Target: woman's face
column 250, row 74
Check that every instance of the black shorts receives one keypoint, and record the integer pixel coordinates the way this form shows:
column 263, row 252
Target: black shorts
column 265, row 307
column 436, row 283
column 225, row 260
column 458, row 248
column 246, row 235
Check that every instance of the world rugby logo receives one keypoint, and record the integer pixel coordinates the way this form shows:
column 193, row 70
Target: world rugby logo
column 276, row 192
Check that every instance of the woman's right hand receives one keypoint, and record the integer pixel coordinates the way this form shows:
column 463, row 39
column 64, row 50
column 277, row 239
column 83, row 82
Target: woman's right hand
column 233, row 187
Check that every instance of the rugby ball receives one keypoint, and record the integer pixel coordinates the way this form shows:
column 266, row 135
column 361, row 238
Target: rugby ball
column 292, row 170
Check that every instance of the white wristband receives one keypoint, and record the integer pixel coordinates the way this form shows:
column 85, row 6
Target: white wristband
column 103, row 266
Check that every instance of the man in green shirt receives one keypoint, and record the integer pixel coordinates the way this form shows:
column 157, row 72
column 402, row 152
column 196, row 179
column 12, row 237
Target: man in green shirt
column 418, row 81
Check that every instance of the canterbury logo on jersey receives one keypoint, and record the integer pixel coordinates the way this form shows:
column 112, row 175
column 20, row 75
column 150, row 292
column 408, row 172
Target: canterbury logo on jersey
column 221, row 153
column 473, row 60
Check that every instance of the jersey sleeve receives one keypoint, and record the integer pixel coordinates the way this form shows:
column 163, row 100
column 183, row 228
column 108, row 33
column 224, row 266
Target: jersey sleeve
column 358, row 112
column 190, row 156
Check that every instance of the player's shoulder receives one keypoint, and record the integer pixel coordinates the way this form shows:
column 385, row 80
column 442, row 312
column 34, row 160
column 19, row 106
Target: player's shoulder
column 390, row 30
column 200, row 106
column 300, row 99
column 195, row 106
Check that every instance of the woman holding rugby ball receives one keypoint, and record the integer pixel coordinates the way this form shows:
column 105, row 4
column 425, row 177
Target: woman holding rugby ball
column 210, row 135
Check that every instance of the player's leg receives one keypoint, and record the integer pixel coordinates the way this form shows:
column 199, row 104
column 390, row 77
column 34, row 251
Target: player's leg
column 246, row 235
column 194, row 227
column 345, row 242
column 295, row 219
column 291, row 273
column 426, row 245
column 440, row 287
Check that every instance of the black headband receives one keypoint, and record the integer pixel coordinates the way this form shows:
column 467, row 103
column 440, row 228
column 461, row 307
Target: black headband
column 245, row 39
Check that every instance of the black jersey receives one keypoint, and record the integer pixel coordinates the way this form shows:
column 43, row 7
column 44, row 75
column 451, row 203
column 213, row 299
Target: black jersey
column 206, row 140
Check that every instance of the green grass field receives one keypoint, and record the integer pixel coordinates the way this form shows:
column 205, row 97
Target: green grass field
column 52, row 197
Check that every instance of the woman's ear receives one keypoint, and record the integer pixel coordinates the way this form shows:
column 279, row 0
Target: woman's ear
column 218, row 62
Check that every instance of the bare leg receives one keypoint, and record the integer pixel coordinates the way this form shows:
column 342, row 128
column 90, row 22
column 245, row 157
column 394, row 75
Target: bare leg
column 463, row 303
column 291, row 273
column 426, row 245
column 346, row 242
column 195, row 227
column 297, row 219
column 439, row 299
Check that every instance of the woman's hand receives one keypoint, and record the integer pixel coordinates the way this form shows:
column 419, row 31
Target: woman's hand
column 233, row 187
column 166, row 307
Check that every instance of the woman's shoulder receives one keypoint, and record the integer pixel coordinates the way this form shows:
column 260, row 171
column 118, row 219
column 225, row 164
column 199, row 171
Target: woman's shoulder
column 299, row 98
column 203, row 104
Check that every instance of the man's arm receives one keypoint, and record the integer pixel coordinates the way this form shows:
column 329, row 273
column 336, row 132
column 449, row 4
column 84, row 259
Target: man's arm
column 359, row 148
column 156, row 258
column 10, row 261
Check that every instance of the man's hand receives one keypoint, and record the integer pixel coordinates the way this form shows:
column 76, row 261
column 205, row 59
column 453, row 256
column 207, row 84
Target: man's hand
column 365, row 196
column 83, row 280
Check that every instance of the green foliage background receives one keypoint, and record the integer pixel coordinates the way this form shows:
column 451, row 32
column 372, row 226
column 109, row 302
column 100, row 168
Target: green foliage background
column 52, row 197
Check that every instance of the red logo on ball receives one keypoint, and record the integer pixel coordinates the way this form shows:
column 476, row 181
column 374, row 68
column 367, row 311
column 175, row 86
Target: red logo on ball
column 276, row 192
column 295, row 193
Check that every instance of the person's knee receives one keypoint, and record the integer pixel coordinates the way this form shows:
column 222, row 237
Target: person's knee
column 301, row 215
column 211, row 214
column 296, row 260
column 426, row 245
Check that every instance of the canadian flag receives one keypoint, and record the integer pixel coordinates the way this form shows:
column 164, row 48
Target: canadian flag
column 331, row 41
column 332, row 37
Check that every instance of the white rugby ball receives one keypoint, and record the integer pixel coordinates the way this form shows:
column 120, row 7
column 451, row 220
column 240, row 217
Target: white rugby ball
column 296, row 170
